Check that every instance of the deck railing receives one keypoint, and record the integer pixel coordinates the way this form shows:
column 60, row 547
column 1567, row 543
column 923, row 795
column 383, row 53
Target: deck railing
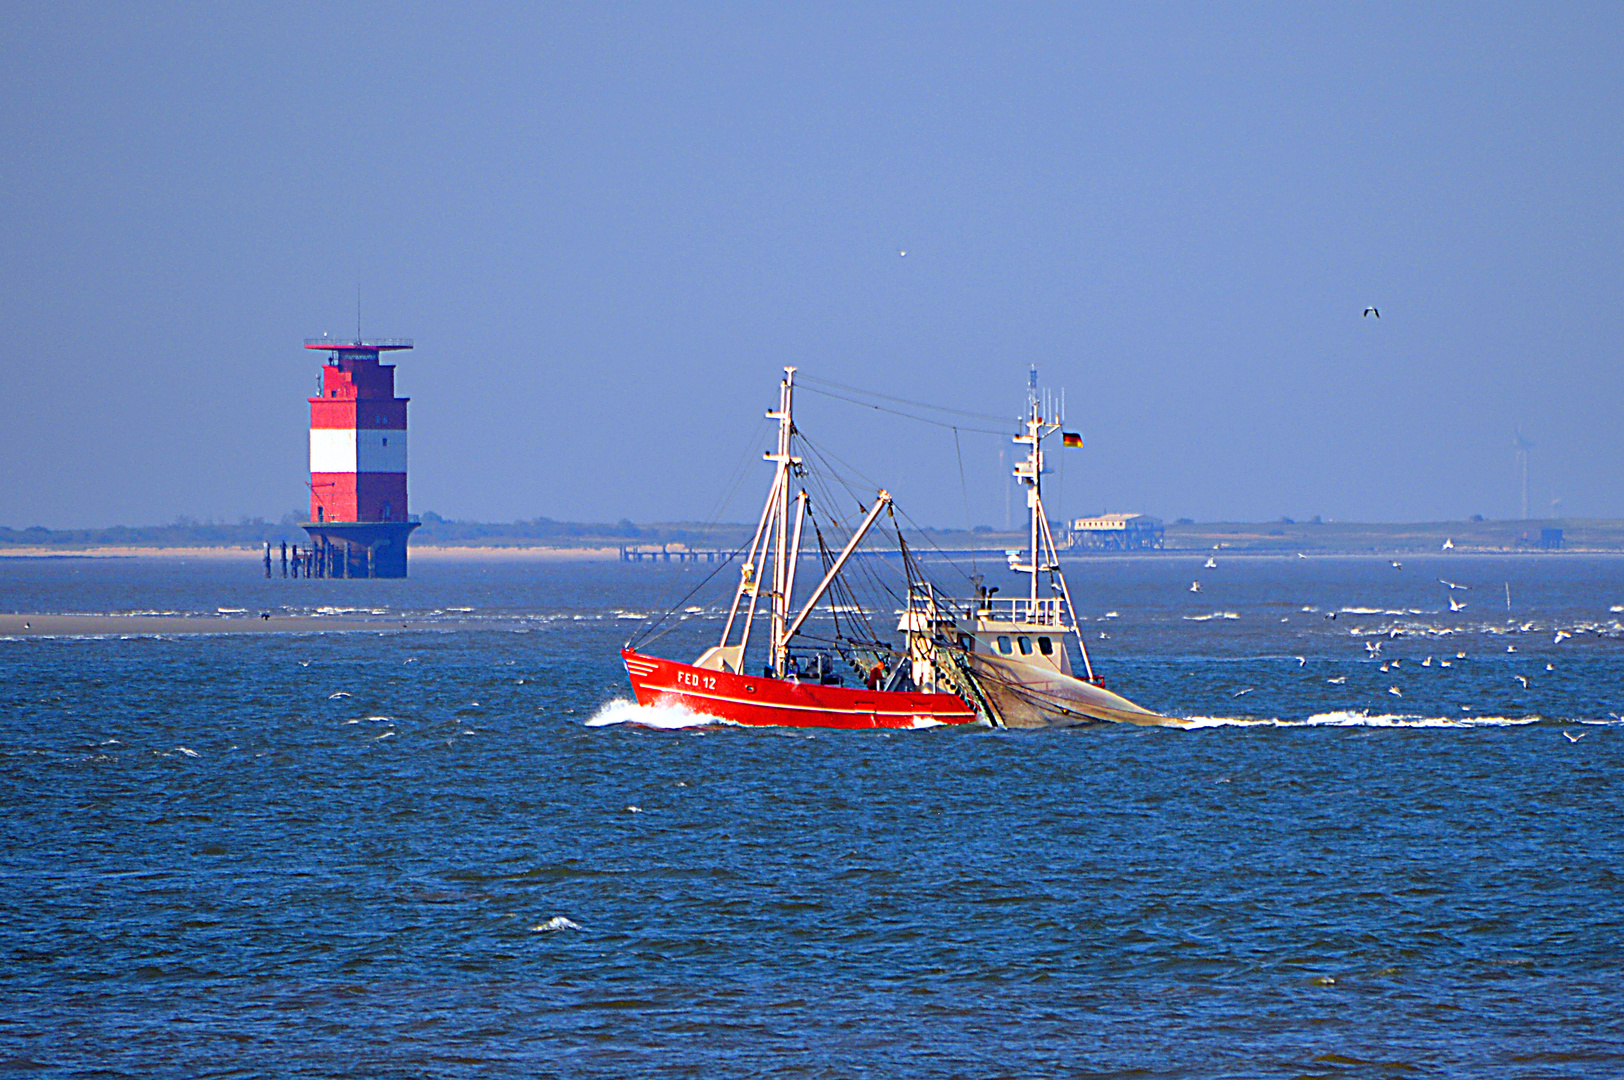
column 1046, row 611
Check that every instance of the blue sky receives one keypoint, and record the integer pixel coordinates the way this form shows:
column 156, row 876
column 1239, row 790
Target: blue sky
column 607, row 228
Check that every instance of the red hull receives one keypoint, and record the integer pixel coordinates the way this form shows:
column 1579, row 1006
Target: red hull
column 759, row 702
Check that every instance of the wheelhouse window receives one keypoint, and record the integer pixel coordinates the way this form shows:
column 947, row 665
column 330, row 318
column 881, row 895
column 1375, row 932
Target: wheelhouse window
column 1026, row 646
column 1004, row 645
column 1045, row 646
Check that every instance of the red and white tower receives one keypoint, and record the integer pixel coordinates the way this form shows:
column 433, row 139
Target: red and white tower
column 358, row 521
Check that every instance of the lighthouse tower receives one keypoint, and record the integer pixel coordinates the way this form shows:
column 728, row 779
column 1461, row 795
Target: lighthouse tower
column 358, row 523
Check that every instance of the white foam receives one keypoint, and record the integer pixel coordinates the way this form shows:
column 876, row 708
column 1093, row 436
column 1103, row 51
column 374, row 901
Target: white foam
column 1195, row 723
column 1360, row 718
column 667, row 717
column 1214, row 615
column 555, row 924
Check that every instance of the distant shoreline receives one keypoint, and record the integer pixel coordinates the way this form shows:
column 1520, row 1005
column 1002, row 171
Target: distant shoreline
column 562, row 541
column 46, row 625
column 471, row 551
column 494, row 552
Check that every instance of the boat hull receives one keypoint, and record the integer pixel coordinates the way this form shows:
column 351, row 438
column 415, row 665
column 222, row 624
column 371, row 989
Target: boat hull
column 763, row 702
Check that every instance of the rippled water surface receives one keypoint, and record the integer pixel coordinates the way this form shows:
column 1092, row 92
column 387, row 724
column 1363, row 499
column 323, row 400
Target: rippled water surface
column 446, row 852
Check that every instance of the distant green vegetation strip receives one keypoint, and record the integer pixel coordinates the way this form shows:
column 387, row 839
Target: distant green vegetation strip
column 1278, row 537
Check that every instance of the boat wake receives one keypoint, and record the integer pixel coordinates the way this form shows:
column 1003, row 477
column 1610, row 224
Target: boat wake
column 666, row 717
column 1361, row 718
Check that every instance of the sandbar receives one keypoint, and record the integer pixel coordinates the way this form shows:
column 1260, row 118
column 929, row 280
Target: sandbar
column 48, row 625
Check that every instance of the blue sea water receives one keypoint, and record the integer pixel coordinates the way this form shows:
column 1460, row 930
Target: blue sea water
column 446, row 852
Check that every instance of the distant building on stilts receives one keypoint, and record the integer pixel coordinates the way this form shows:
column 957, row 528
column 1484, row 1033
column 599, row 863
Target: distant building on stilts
column 358, row 520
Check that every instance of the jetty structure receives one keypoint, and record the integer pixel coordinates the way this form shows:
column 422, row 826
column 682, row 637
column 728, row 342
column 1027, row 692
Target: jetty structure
column 1116, row 532
column 358, row 520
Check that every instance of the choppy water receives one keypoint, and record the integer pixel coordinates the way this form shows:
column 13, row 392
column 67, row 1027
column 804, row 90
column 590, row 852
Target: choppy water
column 435, row 853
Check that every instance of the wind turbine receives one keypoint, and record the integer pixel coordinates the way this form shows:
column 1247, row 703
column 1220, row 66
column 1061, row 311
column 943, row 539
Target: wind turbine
column 1522, row 446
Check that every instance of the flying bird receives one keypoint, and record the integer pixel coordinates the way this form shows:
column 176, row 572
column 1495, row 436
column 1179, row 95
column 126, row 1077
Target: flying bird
column 902, row 254
column 1210, row 564
column 1301, row 660
column 1395, row 691
column 1522, row 679
column 1339, row 680
column 1449, row 544
column 1571, row 737
column 1397, row 565
column 1241, row 693
column 1453, row 585
column 1455, row 605
column 1560, row 636
column 1195, row 586
column 1371, row 310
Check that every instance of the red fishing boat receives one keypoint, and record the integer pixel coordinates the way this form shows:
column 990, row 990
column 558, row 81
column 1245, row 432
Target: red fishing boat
column 796, row 688
column 786, row 702
column 999, row 662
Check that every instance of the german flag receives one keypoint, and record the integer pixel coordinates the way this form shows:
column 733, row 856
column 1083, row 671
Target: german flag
column 1070, row 438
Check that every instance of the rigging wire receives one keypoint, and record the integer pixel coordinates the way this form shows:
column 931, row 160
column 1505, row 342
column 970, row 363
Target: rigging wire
column 901, row 401
column 862, row 566
column 969, row 529
column 740, row 469
column 824, row 455
column 906, row 415
column 642, row 637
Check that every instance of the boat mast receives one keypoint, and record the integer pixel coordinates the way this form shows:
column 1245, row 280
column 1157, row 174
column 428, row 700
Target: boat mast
column 783, row 557
column 773, row 535
column 1034, row 498
column 1041, row 547
column 1030, row 473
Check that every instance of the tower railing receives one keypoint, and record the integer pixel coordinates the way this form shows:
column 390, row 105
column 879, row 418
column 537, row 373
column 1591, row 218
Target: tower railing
column 358, row 343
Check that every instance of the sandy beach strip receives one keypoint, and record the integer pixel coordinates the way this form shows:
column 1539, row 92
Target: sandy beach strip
column 450, row 553
column 47, row 625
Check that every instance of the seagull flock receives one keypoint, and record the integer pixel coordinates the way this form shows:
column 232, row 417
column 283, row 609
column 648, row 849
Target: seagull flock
column 1373, row 647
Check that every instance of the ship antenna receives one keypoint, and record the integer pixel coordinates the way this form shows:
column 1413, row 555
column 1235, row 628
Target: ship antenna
column 358, row 311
